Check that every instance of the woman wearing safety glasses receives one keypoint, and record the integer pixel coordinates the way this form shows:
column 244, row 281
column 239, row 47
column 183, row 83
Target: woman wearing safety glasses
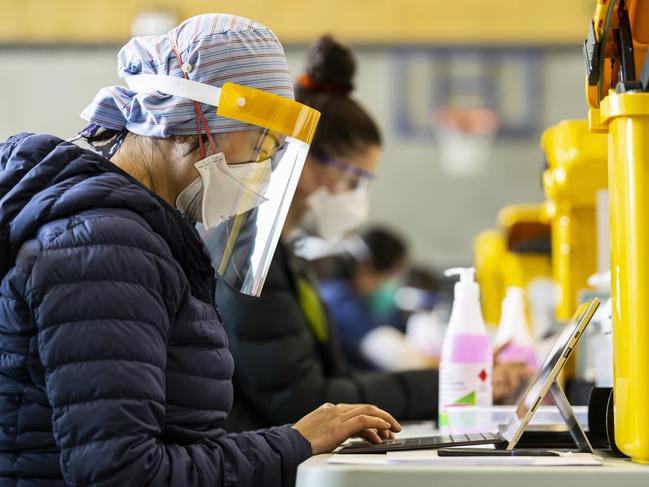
column 287, row 355
column 115, row 368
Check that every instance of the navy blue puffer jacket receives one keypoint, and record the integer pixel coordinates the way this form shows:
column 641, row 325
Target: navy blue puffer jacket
column 114, row 367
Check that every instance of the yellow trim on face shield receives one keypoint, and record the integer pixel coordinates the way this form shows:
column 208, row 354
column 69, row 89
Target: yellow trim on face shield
column 237, row 102
column 268, row 110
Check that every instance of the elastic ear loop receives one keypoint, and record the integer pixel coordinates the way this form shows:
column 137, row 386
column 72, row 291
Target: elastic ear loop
column 200, row 118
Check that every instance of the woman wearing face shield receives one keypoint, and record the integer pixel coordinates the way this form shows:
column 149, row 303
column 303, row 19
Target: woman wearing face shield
column 115, row 368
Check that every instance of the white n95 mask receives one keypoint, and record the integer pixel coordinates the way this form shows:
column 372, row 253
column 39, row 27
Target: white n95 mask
column 222, row 191
column 332, row 215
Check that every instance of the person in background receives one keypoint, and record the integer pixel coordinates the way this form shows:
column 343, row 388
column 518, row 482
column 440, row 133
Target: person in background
column 359, row 294
column 115, row 369
column 287, row 352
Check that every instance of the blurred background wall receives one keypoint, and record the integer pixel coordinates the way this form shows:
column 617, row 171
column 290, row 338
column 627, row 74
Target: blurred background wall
column 56, row 54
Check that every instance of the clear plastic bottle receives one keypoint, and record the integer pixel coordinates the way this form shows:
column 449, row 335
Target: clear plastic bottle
column 601, row 335
column 514, row 333
column 466, row 363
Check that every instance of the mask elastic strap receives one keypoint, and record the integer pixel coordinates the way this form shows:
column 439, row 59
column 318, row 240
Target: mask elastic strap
column 200, row 118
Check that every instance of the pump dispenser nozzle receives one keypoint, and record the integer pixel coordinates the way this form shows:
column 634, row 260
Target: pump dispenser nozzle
column 465, row 273
column 466, row 286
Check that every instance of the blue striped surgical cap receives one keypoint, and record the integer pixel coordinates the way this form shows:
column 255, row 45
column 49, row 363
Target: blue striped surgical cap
column 215, row 49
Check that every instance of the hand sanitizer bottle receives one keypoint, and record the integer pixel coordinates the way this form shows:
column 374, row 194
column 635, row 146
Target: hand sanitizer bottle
column 467, row 356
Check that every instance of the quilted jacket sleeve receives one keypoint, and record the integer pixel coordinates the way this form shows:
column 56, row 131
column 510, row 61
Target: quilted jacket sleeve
column 104, row 303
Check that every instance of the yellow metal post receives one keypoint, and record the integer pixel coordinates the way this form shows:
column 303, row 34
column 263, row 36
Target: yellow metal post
column 615, row 51
column 627, row 118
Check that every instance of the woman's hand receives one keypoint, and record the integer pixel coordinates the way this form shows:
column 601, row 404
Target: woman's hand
column 330, row 425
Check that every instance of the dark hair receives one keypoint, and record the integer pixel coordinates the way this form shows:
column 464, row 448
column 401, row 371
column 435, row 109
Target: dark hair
column 103, row 139
column 386, row 248
column 345, row 126
column 382, row 249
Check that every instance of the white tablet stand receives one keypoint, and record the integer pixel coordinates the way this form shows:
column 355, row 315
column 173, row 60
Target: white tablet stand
column 568, row 415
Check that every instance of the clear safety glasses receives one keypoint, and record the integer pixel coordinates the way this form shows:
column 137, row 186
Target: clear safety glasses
column 354, row 177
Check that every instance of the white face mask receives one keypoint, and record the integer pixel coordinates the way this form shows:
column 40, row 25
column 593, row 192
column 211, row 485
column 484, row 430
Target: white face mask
column 222, row 191
column 332, row 215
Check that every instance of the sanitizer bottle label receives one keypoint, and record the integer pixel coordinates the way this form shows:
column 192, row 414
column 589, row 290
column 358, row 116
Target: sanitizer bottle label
column 463, row 384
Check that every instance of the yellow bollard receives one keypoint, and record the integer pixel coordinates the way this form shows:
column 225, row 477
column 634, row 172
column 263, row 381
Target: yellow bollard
column 616, row 57
column 577, row 171
column 627, row 118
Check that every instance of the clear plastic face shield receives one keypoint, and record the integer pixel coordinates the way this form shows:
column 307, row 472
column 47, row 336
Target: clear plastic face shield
column 249, row 177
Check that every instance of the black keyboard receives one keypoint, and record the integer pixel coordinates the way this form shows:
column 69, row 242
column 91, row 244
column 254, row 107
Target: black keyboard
column 424, row 443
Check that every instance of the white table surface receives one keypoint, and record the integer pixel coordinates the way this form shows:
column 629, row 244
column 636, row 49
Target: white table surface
column 316, row 472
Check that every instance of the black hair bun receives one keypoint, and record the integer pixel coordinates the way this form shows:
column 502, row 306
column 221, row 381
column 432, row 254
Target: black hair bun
column 331, row 66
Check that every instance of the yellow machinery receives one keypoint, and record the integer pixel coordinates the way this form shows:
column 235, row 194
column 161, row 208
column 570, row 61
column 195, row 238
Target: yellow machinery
column 618, row 96
column 512, row 256
column 577, row 171
column 489, row 249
